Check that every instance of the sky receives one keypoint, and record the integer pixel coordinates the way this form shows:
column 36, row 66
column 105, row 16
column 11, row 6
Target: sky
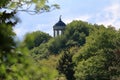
column 106, row 12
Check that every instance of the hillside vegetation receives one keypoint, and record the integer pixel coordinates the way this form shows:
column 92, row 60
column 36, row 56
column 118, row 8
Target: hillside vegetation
column 84, row 52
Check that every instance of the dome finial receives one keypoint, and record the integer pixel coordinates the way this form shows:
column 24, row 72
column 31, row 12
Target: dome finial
column 60, row 18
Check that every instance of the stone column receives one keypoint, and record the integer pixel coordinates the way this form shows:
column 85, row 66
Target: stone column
column 57, row 32
column 54, row 32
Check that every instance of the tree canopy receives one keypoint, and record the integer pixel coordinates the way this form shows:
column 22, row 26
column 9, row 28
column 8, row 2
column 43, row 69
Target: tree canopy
column 35, row 39
column 15, row 62
column 97, row 58
column 29, row 6
column 84, row 52
column 74, row 35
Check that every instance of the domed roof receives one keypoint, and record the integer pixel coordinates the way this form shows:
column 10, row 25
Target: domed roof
column 60, row 24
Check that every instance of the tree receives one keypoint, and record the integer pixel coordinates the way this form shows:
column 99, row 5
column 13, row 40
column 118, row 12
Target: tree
column 97, row 57
column 75, row 35
column 66, row 65
column 55, row 45
column 15, row 63
column 29, row 6
column 35, row 39
column 12, row 60
column 8, row 9
column 77, row 31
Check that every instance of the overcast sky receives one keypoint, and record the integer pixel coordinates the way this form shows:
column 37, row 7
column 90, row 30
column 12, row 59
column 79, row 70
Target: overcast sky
column 105, row 12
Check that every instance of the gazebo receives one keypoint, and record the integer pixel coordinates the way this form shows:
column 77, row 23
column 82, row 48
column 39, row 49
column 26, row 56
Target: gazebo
column 59, row 28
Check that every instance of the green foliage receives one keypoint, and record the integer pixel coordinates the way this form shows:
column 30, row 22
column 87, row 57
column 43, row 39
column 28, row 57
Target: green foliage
column 40, row 52
column 65, row 65
column 56, row 44
column 6, row 41
column 8, row 56
column 35, row 39
column 29, row 6
column 95, row 59
column 74, row 35
column 48, row 74
column 77, row 32
column 16, row 63
column 7, row 21
column 49, row 65
column 3, row 3
column 98, row 57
